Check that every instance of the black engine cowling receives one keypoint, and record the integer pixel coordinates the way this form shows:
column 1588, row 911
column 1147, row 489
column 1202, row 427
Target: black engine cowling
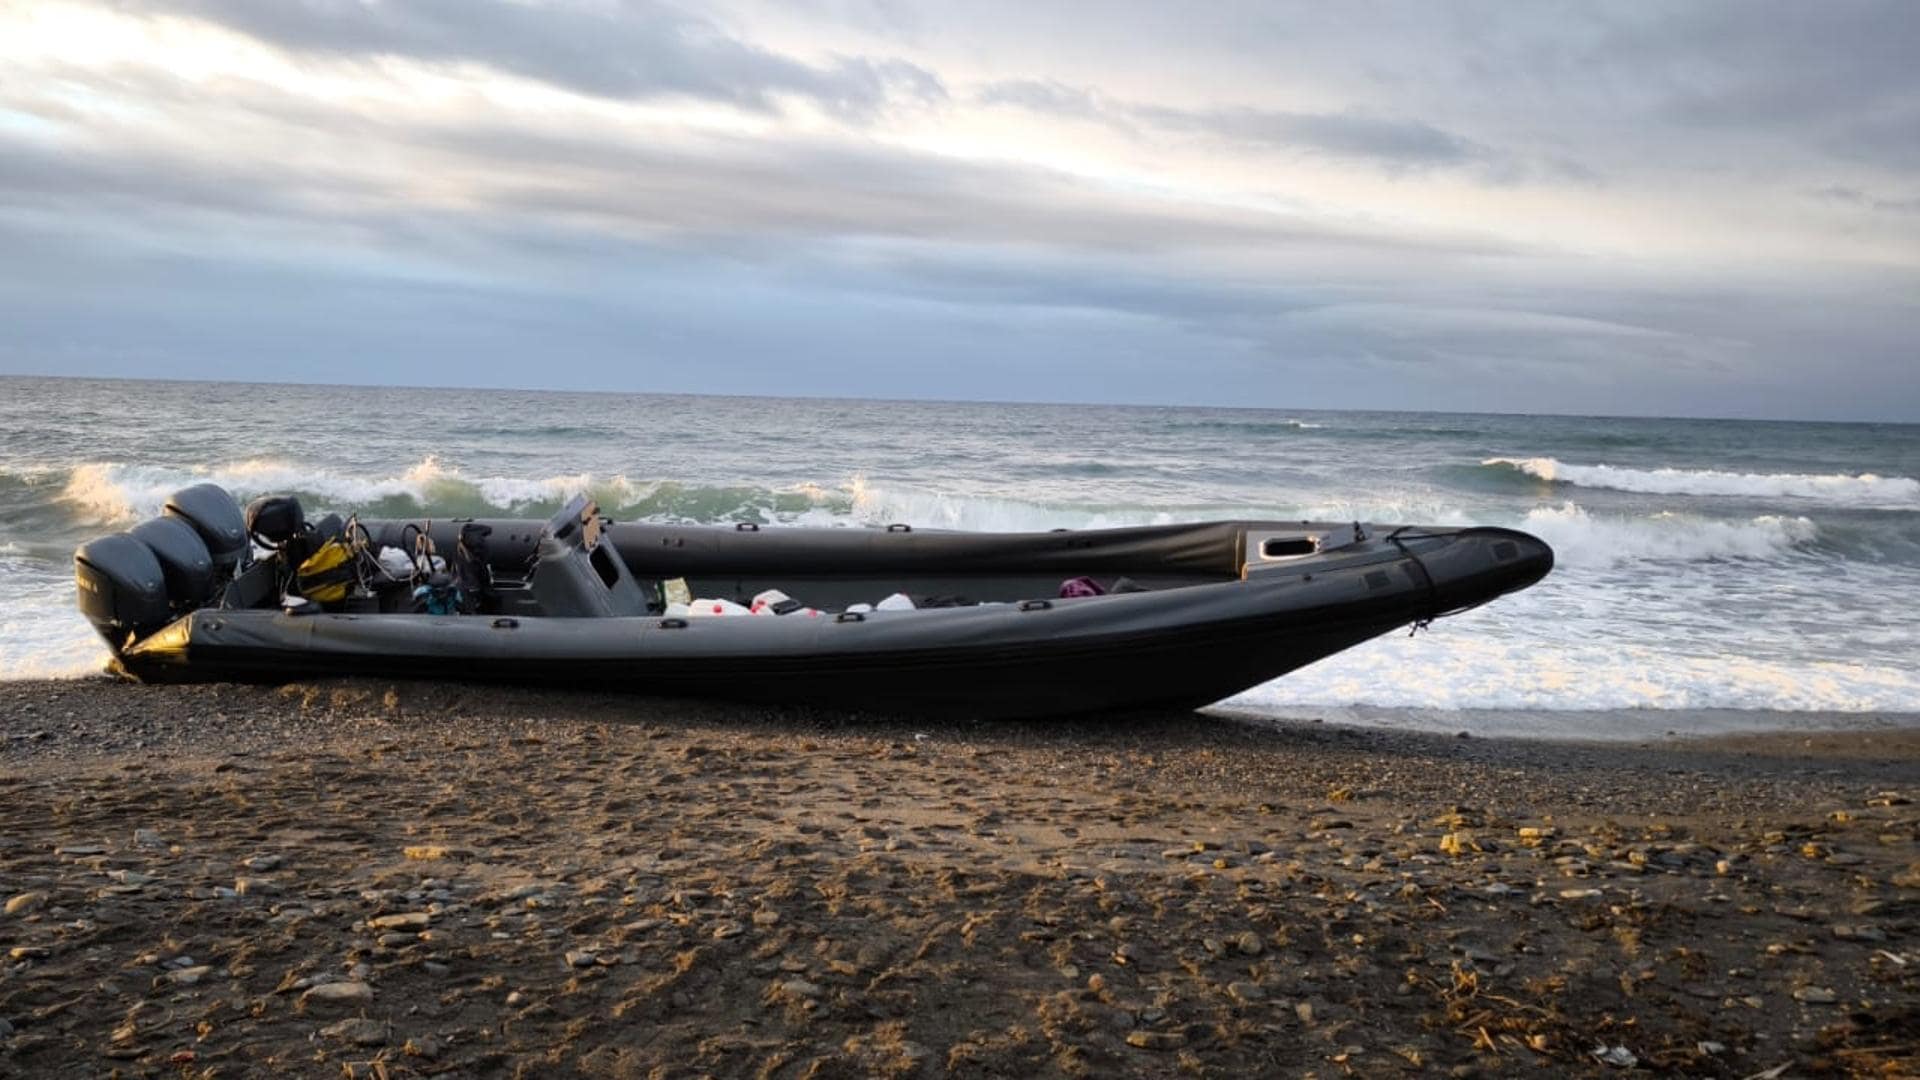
column 184, row 560
column 215, row 515
column 123, row 590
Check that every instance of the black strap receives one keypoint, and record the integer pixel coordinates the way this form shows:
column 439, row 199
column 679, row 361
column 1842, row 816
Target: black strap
column 1433, row 591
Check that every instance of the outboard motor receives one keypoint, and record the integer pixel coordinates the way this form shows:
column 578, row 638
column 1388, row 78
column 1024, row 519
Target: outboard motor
column 123, row 590
column 216, row 517
column 184, row 560
column 272, row 520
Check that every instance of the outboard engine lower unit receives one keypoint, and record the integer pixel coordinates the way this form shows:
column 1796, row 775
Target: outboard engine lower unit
column 123, row 590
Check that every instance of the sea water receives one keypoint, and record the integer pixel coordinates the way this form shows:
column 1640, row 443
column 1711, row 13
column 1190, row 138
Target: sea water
column 1709, row 572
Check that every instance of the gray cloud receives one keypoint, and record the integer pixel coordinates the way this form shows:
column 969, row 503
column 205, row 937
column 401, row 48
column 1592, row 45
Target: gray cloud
column 1718, row 83
column 717, row 192
column 763, row 187
column 1853, row 196
column 1557, row 90
column 950, row 322
column 1824, row 71
column 1045, row 95
column 632, row 50
column 1395, row 144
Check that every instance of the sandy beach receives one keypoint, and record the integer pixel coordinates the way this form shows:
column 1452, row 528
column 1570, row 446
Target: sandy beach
column 375, row 879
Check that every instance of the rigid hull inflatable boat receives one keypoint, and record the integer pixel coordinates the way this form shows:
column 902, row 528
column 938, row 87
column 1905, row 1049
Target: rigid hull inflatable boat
column 1003, row 624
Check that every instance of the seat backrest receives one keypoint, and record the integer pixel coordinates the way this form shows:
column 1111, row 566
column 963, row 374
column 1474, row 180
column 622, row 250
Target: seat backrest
column 578, row 573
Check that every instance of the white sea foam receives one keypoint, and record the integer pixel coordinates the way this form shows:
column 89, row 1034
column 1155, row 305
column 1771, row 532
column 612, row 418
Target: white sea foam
column 859, row 502
column 1580, row 539
column 1463, row 669
column 1863, row 490
column 871, row 505
column 42, row 636
column 114, row 492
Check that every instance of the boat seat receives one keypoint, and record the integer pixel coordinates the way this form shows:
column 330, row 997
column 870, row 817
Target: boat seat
column 577, row 574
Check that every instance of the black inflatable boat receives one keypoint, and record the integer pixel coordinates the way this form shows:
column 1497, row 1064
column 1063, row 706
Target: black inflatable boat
column 1003, row 624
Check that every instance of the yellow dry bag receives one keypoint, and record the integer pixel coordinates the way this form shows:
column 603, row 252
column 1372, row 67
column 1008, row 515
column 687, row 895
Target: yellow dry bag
column 327, row 574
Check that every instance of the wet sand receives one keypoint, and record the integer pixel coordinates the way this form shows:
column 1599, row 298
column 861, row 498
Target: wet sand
column 371, row 879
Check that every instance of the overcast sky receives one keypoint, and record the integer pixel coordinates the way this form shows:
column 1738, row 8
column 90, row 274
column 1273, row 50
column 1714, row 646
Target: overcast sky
column 1685, row 208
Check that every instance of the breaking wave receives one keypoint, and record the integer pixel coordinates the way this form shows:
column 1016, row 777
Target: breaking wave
column 1580, row 539
column 1864, row 490
column 1249, row 427
column 115, row 493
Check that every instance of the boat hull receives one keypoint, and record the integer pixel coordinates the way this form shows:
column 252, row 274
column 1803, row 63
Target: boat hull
column 1173, row 648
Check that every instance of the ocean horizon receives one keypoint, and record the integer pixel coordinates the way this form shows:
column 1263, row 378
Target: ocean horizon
column 938, row 400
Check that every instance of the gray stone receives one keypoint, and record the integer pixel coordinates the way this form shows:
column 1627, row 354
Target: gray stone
column 1617, row 1056
column 1816, row 995
column 359, row 1031
column 581, row 959
column 1246, row 993
column 260, row 864
column 800, row 988
column 411, row 920
column 188, row 976
column 338, row 993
